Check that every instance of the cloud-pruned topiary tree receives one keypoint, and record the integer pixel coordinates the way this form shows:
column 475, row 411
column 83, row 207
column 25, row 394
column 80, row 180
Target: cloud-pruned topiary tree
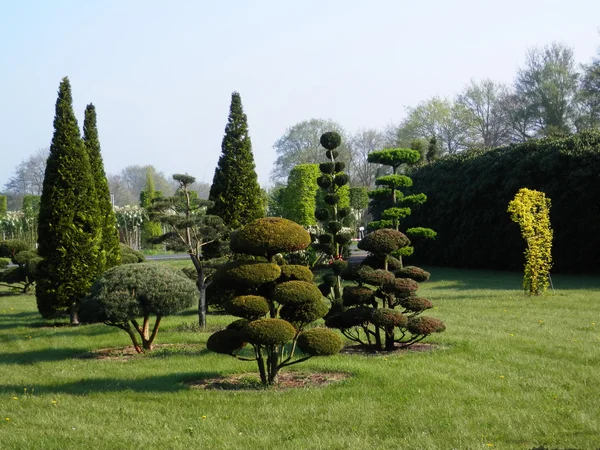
column 69, row 229
column 235, row 192
column 333, row 241
column 276, row 304
column 128, row 296
column 109, row 254
column 389, row 205
column 382, row 311
column 187, row 224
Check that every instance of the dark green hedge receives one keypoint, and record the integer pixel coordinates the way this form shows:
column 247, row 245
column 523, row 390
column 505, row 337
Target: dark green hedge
column 468, row 197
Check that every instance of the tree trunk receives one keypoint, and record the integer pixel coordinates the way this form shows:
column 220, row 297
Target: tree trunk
column 389, row 338
column 74, row 314
column 201, row 284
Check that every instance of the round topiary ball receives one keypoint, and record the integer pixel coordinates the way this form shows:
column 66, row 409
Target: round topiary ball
column 325, row 289
column 319, row 342
column 338, row 266
column 269, row 332
column 339, row 167
column 401, row 287
column 292, row 272
column 388, row 318
column 424, row 326
column 358, row 295
column 343, row 238
column 302, row 314
column 226, row 341
column 325, row 238
column 332, row 199
column 324, row 181
column 322, row 214
column 330, row 279
column 334, row 226
column 341, row 179
column 375, row 277
column 332, row 154
column 344, row 212
column 330, row 140
column 249, row 307
column 416, row 304
column 414, row 273
column 383, row 242
column 352, row 272
column 269, row 236
column 247, row 274
column 296, row 292
column 327, row 168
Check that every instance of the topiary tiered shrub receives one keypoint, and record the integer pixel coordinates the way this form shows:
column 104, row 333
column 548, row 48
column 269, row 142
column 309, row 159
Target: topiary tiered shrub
column 275, row 304
column 333, row 241
column 389, row 205
column 382, row 311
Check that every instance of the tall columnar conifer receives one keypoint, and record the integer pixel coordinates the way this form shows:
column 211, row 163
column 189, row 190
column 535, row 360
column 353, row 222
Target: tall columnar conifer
column 235, row 190
column 109, row 255
column 151, row 229
column 69, row 227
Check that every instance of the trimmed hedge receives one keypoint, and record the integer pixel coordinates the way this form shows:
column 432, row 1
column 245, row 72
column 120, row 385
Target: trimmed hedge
column 469, row 194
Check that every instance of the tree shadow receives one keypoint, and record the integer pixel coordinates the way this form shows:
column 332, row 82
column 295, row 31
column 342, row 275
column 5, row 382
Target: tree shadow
column 172, row 382
column 17, row 320
column 36, row 356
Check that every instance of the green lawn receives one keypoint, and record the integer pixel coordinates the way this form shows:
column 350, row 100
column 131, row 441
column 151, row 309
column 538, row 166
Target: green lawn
column 509, row 372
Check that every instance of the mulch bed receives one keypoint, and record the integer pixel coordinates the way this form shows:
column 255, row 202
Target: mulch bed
column 128, row 353
column 285, row 381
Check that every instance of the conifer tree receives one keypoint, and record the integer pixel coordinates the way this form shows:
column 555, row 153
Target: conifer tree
column 109, row 255
column 150, row 228
column 235, row 190
column 69, row 227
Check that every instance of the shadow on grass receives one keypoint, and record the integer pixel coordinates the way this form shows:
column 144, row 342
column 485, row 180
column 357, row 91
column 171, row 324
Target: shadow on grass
column 35, row 356
column 18, row 320
column 165, row 383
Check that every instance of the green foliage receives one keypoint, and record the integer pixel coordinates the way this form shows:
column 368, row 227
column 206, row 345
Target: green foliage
column 394, row 181
column 256, row 288
column 385, row 317
column 11, row 247
column 21, row 278
column 412, row 272
column 331, row 140
column 383, row 242
column 126, row 293
column 109, row 255
column 283, row 236
column 249, row 307
column 69, row 230
column 4, row 262
column 375, row 277
column 358, row 295
column 401, row 287
column 2, row 206
column 299, row 198
column 151, row 229
column 394, row 157
column 415, row 304
column 424, row 326
column 473, row 227
column 129, row 255
column 290, row 272
column 235, row 192
column 319, row 342
column 377, row 262
column 269, row 332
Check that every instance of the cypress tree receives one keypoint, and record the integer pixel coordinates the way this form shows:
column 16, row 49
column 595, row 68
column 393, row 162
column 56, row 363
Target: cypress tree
column 110, row 254
column 235, row 191
column 150, row 228
column 69, row 230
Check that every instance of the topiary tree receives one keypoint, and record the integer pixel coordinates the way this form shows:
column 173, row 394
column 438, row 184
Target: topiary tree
column 130, row 256
column 21, row 277
column 125, row 295
column 299, row 197
column 185, row 219
column 151, row 229
column 531, row 210
column 69, row 229
column 380, row 311
column 235, row 193
column 109, row 254
column 388, row 203
column 333, row 241
column 275, row 304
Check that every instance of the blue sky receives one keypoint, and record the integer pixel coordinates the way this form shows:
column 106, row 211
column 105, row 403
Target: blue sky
column 161, row 73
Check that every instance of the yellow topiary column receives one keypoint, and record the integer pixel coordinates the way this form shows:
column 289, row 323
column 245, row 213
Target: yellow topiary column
column 531, row 210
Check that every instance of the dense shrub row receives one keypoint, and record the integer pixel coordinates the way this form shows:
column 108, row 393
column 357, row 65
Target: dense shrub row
column 469, row 194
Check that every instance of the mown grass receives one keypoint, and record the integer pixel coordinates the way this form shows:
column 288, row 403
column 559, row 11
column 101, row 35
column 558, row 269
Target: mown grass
column 509, row 372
